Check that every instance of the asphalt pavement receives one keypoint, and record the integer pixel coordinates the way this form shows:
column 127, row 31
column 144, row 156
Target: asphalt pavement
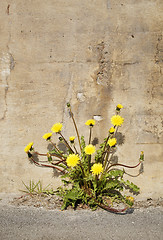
column 29, row 223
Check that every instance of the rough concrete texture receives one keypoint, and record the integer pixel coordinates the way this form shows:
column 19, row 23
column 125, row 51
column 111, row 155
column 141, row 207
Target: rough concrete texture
column 30, row 223
column 94, row 54
column 17, row 223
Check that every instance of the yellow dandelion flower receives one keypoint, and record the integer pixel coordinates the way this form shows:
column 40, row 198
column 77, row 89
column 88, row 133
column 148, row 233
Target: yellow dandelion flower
column 56, row 127
column 28, row 147
column 72, row 160
column 90, row 122
column 111, row 130
column 131, row 199
column 119, row 106
column 112, row 142
column 72, row 138
column 97, row 168
column 90, row 149
column 117, row 120
column 47, row 136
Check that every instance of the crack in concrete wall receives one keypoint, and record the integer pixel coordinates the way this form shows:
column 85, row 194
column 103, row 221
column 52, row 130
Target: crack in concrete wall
column 103, row 72
column 159, row 50
column 7, row 64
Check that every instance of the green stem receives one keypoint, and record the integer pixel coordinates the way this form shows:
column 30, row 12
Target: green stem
column 96, row 179
column 85, row 184
column 82, row 169
column 107, row 165
column 52, row 154
column 89, row 163
column 66, row 143
column 75, row 149
column 75, row 128
column 106, row 158
column 90, row 134
column 54, row 145
column 104, row 152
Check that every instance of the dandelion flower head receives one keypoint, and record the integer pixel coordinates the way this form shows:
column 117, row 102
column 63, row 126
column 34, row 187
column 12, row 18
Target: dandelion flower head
column 72, row 138
column 47, row 136
column 90, row 122
column 28, row 147
column 119, row 106
column 117, row 120
column 112, row 142
column 97, row 168
column 56, row 127
column 90, row 149
column 72, row 160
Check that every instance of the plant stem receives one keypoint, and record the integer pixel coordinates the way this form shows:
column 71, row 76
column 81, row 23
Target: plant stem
column 66, row 143
column 107, row 155
column 44, row 165
column 90, row 134
column 108, row 208
column 89, row 162
column 82, row 169
column 54, row 145
column 132, row 175
column 62, row 161
column 122, row 165
column 103, row 153
column 85, row 184
column 75, row 149
column 109, row 160
column 44, row 154
column 72, row 115
column 96, row 178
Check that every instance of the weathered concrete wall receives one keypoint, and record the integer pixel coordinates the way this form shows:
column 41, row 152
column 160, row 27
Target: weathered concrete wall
column 93, row 53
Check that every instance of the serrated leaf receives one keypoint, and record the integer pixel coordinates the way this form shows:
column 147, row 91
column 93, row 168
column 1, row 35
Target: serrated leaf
column 62, row 165
column 115, row 173
column 53, row 151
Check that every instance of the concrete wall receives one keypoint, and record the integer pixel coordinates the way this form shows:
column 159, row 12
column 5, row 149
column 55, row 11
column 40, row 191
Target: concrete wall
column 93, row 53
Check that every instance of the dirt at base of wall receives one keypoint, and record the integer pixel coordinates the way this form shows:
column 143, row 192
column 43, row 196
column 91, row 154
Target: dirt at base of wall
column 55, row 202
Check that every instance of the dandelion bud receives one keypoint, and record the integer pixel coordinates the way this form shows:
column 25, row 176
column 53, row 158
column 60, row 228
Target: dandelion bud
column 72, row 138
column 68, row 105
column 142, row 156
column 118, row 107
column 111, row 130
column 49, row 157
